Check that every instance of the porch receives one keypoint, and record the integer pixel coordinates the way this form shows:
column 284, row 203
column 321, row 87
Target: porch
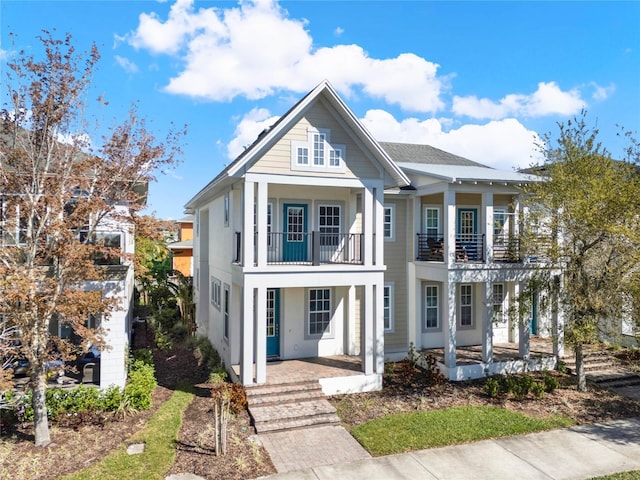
column 506, row 359
column 336, row 374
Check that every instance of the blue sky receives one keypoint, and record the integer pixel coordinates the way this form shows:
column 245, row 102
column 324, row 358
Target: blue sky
column 479, row 79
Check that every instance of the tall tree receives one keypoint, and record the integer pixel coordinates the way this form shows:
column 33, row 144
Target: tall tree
column 590, row 203
column 57, row 188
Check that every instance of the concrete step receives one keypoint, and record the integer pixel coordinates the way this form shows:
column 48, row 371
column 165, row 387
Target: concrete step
column 615, row 379
column 283, row 389
column 284, row 397
column 592, row 367
column 301, row 422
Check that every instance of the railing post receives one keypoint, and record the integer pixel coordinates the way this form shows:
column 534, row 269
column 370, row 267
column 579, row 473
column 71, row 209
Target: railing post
column 315, row 247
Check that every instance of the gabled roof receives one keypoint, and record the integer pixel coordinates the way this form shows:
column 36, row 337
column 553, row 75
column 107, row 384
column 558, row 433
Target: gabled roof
column 412, row 153
column 468, row 173
column 270, row 135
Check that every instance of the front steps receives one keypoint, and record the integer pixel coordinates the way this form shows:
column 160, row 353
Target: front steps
column 602, row 369
column 287, row 406
column 594, row 361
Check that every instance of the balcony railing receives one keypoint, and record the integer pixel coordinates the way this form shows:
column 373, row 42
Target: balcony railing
column 506, row 249
column 307, row 248
column 469, row 247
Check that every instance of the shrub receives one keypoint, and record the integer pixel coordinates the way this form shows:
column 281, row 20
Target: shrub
column 205, row 354
column 550, row 382
column 143, row 354
column 140, row 385
column 537, row 390
column 492, row 387
column 179, row 332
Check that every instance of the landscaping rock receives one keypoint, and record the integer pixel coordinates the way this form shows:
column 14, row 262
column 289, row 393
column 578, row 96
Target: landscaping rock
column 135, row 448
column 184, row 476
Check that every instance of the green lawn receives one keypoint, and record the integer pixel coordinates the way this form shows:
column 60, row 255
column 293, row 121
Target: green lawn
column 413, row 431
column 159, row 437
column 634, row 475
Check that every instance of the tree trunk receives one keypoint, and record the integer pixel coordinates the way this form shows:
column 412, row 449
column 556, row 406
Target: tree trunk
column 582, row 378
column 40, row 419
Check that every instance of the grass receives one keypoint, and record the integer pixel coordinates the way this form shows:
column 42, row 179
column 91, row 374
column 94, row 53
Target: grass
column 436, row 428
column 159, row 437
column 633, row 475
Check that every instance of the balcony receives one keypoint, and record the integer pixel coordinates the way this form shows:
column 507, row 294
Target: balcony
column 469, row 247
column 307, row 248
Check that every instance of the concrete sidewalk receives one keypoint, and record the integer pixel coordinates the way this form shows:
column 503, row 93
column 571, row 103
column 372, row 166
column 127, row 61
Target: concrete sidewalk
column 567, row 454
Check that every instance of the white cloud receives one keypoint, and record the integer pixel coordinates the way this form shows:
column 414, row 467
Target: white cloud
column 255, row 50
column 126, row 64
column 248, row 129
column 504, row 144
column 548, row 99
column 602, row 93
column 338, row 31
column 4, row 55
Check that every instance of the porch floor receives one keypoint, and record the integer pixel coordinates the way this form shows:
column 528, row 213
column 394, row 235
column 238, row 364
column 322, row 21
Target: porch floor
column 502, row 352
column 313, row 368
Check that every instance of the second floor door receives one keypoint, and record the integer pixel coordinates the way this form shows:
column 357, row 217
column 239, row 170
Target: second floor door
column 294, row 242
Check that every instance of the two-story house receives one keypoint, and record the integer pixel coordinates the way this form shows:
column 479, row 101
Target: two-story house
column 182, row 249
column 318, row 241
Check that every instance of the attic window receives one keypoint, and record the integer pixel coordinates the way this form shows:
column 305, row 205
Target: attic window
column 317, row 153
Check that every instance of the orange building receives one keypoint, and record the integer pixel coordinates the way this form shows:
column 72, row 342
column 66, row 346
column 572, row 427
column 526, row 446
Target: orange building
column 183, row 249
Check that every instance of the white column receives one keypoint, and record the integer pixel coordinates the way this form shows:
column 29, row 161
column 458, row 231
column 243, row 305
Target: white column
column 379, row 326
column 487, row 324
column 450, row 227
column 379, row 225
column 524, row 334
column 247, row 226
column 261, row 214
column 261, row 335
column 367, row 350
column 246, row 358
column 412, row 311
column 416, row 205
column 557, row 322
column 449, row 327
column 487, row 207
column 368, row 220
column 351, row 319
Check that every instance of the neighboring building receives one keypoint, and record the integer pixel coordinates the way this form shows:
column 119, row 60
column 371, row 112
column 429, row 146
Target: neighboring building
column 182, row 250
column 319, row 241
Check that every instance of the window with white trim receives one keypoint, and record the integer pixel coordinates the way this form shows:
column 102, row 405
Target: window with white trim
column 498, row 303
column 319, row 318
column 269, row 217
column 329, row 225
column 226, row 307
column 466, row 305
column 388, row 306
column 317, row 152
column 216, row 286
column 432, row 223
column 226, row 210
column 431, row 307
column 389, row 222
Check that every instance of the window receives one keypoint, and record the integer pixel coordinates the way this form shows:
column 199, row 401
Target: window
column 431, row 307
column 216, row 286
column 432, row 223
column 388, row 222
column 255, row 221
column 388, row 306
column 498, row 303
column 302, row 157
column 319, row 311
column 319, row 140
column 329, row 225
column 225, row 326
column 466, row 305
column 271, row 312
column 317, row 152
column 226, row 210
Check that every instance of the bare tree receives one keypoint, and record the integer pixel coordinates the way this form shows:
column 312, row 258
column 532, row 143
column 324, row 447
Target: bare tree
column 57, row 189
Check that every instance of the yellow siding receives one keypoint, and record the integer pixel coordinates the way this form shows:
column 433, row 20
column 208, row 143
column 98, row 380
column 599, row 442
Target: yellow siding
column 395, row 258
column 468, row 199
column 503, row 200
column 278, row 159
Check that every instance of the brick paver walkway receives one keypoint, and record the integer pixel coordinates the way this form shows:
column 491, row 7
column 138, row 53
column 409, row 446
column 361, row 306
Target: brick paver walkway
column 311, row 447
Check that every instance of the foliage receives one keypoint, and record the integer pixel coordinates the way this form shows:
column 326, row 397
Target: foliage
column 140, row 385
column 435, row 428
column 144, row 355
column 588, row 205
column 419, row 366
column 65, row 183
column 205, row 353
column 520, row 386
column 159, row 437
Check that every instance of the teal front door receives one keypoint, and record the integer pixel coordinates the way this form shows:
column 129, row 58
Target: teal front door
column 273, row 322
column 294, row 241
column 534, row 314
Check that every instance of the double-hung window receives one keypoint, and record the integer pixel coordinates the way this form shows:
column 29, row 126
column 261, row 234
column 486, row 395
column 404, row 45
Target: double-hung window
column 389, row 222
column 329, row 225
column 432, row 223
column 319, row 311
column 226, row 310
column 388, row 306
column 466, row 305
column 498, row 303
column 431, row 307
column 317, row 153
column 216, row 287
